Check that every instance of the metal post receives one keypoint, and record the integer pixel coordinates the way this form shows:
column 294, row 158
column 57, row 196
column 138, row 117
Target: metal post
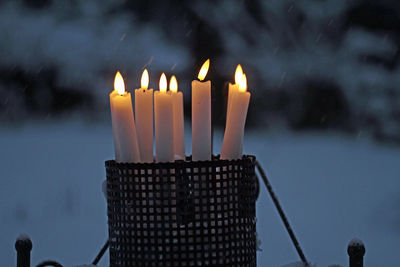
column 23, row 245
column 356, row 251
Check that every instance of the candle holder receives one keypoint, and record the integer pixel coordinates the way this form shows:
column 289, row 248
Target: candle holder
column 183, row 213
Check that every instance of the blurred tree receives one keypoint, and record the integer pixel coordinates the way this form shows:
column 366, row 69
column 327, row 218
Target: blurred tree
column 381, row 17
column 319, row 104
column 38, row 3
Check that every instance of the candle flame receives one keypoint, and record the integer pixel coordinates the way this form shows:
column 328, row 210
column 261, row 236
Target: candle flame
column 119, row 84
column 238, row 74
column 243, row 84
column 173, row 84
column 204, row 69
column 144, row 83
column 163, row 83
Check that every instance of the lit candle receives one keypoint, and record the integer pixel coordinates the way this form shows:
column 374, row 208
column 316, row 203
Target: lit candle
column 116, row 144
column 177, row 102
column 234, row 129
column 144, row 118
column 125, row 139
column 163, row 122
column 233, row 88
column 201, row 116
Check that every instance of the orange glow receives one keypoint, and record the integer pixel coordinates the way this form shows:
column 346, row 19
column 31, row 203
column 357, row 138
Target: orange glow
column 204, row 69
column 144, row 83
column 238, row 74
column 119, row 84
column 173, row 84
column 163, row 83
column 243, row 84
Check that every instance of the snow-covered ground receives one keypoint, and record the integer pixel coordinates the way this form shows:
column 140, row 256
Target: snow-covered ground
column 333, row 188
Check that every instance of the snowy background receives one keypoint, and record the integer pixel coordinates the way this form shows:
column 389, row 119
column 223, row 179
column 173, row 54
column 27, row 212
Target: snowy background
column 324, row 118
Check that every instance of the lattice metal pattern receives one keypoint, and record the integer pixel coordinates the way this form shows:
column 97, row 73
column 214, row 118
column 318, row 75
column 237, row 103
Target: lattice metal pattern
column 184, row 213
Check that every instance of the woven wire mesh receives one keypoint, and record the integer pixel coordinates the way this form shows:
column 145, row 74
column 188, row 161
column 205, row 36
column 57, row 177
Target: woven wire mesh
column 185, row 213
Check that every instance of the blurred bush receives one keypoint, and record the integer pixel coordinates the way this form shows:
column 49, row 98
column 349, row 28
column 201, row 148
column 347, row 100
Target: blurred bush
column 330, row 64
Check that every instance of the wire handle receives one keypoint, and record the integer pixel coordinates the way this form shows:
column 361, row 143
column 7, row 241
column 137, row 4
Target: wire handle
column 282, row 214
column 101, row 253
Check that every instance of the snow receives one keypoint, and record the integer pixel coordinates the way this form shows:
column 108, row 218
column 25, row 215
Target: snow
column 23, row 237
column 356, row 242
column 332, row 188
column 295, row 264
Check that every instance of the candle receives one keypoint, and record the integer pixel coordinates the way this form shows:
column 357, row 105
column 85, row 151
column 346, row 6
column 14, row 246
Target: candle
column 233, row 88
column 125, row 139
column 232, row 145
column 201, row 116
column 144, row 118
column 178, row 124
column 116, row 144
column 163, row 122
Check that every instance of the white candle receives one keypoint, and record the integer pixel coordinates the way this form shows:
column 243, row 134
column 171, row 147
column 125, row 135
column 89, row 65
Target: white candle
column 234, row 129
column 163, row 122
column 144, row 118
column 233, row 88
column 201, row 116
column 116, row 144
column 125, row 139
column 177, row 102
